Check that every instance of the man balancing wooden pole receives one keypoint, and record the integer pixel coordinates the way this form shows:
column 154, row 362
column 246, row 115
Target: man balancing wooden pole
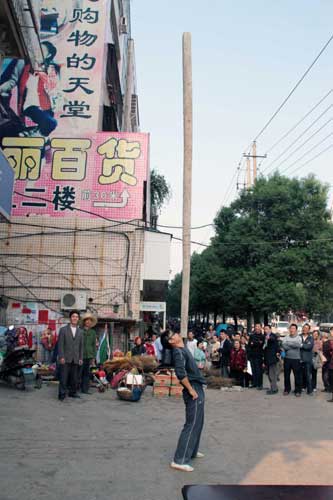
column 186, row 369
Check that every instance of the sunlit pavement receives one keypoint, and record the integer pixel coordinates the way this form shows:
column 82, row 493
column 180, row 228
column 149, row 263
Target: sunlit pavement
column 98, row 447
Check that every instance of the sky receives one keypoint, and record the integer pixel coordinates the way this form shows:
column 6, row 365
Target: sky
column 246, row 57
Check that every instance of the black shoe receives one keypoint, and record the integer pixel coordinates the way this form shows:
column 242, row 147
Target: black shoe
column 324, row 390
column 259, row 388
column 272, row 392
column 61, row 398
column 330, row 400
column 76, row 396
column 86, row 392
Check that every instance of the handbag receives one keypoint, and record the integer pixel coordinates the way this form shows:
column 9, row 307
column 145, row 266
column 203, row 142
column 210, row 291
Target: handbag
column 316, row 361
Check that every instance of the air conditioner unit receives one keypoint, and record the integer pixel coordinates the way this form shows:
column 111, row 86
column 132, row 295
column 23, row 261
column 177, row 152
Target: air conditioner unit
column 123, row 25
column 74, row 300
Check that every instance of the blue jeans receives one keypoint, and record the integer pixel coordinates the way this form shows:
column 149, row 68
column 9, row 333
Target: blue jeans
column 189, row 439
column 44, row 119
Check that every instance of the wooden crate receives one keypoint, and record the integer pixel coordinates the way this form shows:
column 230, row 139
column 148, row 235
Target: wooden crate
column 176, row 391
column 174, row 379
column 161, row 391
column 162, row 378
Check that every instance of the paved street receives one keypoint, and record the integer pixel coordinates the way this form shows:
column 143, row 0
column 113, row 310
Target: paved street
column 98, row 447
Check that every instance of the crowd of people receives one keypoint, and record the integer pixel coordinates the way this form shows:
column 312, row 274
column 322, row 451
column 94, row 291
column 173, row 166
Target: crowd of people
column 245, row 357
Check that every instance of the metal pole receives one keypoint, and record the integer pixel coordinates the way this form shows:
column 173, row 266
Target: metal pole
column 127, row 123
column 187, row 178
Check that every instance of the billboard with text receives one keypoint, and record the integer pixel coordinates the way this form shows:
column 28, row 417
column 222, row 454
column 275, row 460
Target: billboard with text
column 65, row 93
column 88, row 175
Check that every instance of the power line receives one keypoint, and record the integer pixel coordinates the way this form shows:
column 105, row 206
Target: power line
column 307, row 152
column 298, row 137
column 293, row 89
column 305, row 142
column 299, row 122
column 312, row 159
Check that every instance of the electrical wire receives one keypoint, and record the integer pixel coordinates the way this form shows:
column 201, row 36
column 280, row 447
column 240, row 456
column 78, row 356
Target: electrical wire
column 312, row 159
column 304, row 143
column 298, row 138
column 307, row 152
column 293, row 89
column 299, row 122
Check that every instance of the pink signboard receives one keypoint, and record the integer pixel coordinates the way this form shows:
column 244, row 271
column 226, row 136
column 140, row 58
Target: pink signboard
column 82, row 176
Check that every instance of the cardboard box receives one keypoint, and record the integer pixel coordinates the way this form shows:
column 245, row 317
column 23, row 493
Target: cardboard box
column 162, row 379
column 161, row 391
column 174, row 379
column 176, row 391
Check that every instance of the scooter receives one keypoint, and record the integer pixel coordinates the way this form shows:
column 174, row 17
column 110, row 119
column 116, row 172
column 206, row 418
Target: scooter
column 16, row 367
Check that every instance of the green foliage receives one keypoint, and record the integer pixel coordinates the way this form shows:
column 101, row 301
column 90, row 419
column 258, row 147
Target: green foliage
column 160, row 191
column 272, row 252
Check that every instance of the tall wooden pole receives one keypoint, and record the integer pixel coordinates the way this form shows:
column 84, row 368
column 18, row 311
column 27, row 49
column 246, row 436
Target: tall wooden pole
column 248, row 173
column 254, row 156
column 187, row 178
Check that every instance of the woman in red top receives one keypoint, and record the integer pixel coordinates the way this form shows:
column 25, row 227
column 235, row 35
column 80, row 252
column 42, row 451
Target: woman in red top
column 238, row 363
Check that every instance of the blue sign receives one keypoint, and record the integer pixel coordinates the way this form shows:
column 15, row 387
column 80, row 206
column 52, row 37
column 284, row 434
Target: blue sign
column 6, row 186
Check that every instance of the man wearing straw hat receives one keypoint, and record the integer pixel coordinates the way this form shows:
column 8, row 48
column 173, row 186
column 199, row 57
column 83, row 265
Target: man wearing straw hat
column 89, row 349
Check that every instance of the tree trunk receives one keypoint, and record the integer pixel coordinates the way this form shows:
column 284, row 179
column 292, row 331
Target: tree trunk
column 223, row 317
column 249, row 321
column 265, row 318
column 235, row 321
column 215, row 318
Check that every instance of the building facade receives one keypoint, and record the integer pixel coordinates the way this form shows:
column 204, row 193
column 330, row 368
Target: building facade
column 76, row 237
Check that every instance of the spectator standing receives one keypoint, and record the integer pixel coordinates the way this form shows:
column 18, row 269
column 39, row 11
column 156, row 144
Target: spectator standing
column 89, row 350
column 225, row 349
column 48, row 341
column 316, row 358
column 325, row 368
column 70, row 354
column 150, row 349
column 158, row 347
column 138, row 349
column 213, row 349
column 292, row 361
column 238, row 363
column 256, row 355
column 306, row 358
column 200, row 355
column 328, row 353
column 191, row 343
column 271, row 358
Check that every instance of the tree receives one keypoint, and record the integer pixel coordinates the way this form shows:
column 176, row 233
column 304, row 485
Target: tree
column 275, row 242
column 160, row 193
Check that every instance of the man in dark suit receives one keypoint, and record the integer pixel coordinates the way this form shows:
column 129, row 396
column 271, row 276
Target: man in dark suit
column 70, row 355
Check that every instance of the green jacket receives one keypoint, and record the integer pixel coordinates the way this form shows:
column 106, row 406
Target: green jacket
column 89, row 344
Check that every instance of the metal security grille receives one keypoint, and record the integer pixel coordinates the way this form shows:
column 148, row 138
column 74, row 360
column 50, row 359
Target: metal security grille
column 41, row 262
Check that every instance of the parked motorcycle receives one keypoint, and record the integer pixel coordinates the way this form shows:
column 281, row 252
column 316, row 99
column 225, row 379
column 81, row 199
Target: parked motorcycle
column 16, row 365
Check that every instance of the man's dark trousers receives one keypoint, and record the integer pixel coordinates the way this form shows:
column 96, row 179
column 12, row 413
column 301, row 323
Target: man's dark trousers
column 257, row 371
column 85, row 375
column 189, row 439
column 293, row 365
column 68, row 379
column 307, row 376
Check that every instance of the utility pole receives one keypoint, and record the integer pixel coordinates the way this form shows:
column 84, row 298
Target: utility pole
column 187, row 178
column 127, row 123
column 248, row 173
column 254, row 156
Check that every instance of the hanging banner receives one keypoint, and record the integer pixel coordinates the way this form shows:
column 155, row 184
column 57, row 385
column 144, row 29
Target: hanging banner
column 82, row 176
column 65, row 93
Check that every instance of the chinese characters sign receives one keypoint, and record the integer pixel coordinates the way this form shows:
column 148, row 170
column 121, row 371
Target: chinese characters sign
column 66, row 93
column 103, row 174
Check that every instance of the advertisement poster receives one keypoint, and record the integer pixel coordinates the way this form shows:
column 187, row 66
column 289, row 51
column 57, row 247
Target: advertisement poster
column 64, row 94
column 84, row 176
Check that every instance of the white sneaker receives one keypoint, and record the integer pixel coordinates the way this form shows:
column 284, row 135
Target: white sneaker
column 183, row 467
column 199, row 455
